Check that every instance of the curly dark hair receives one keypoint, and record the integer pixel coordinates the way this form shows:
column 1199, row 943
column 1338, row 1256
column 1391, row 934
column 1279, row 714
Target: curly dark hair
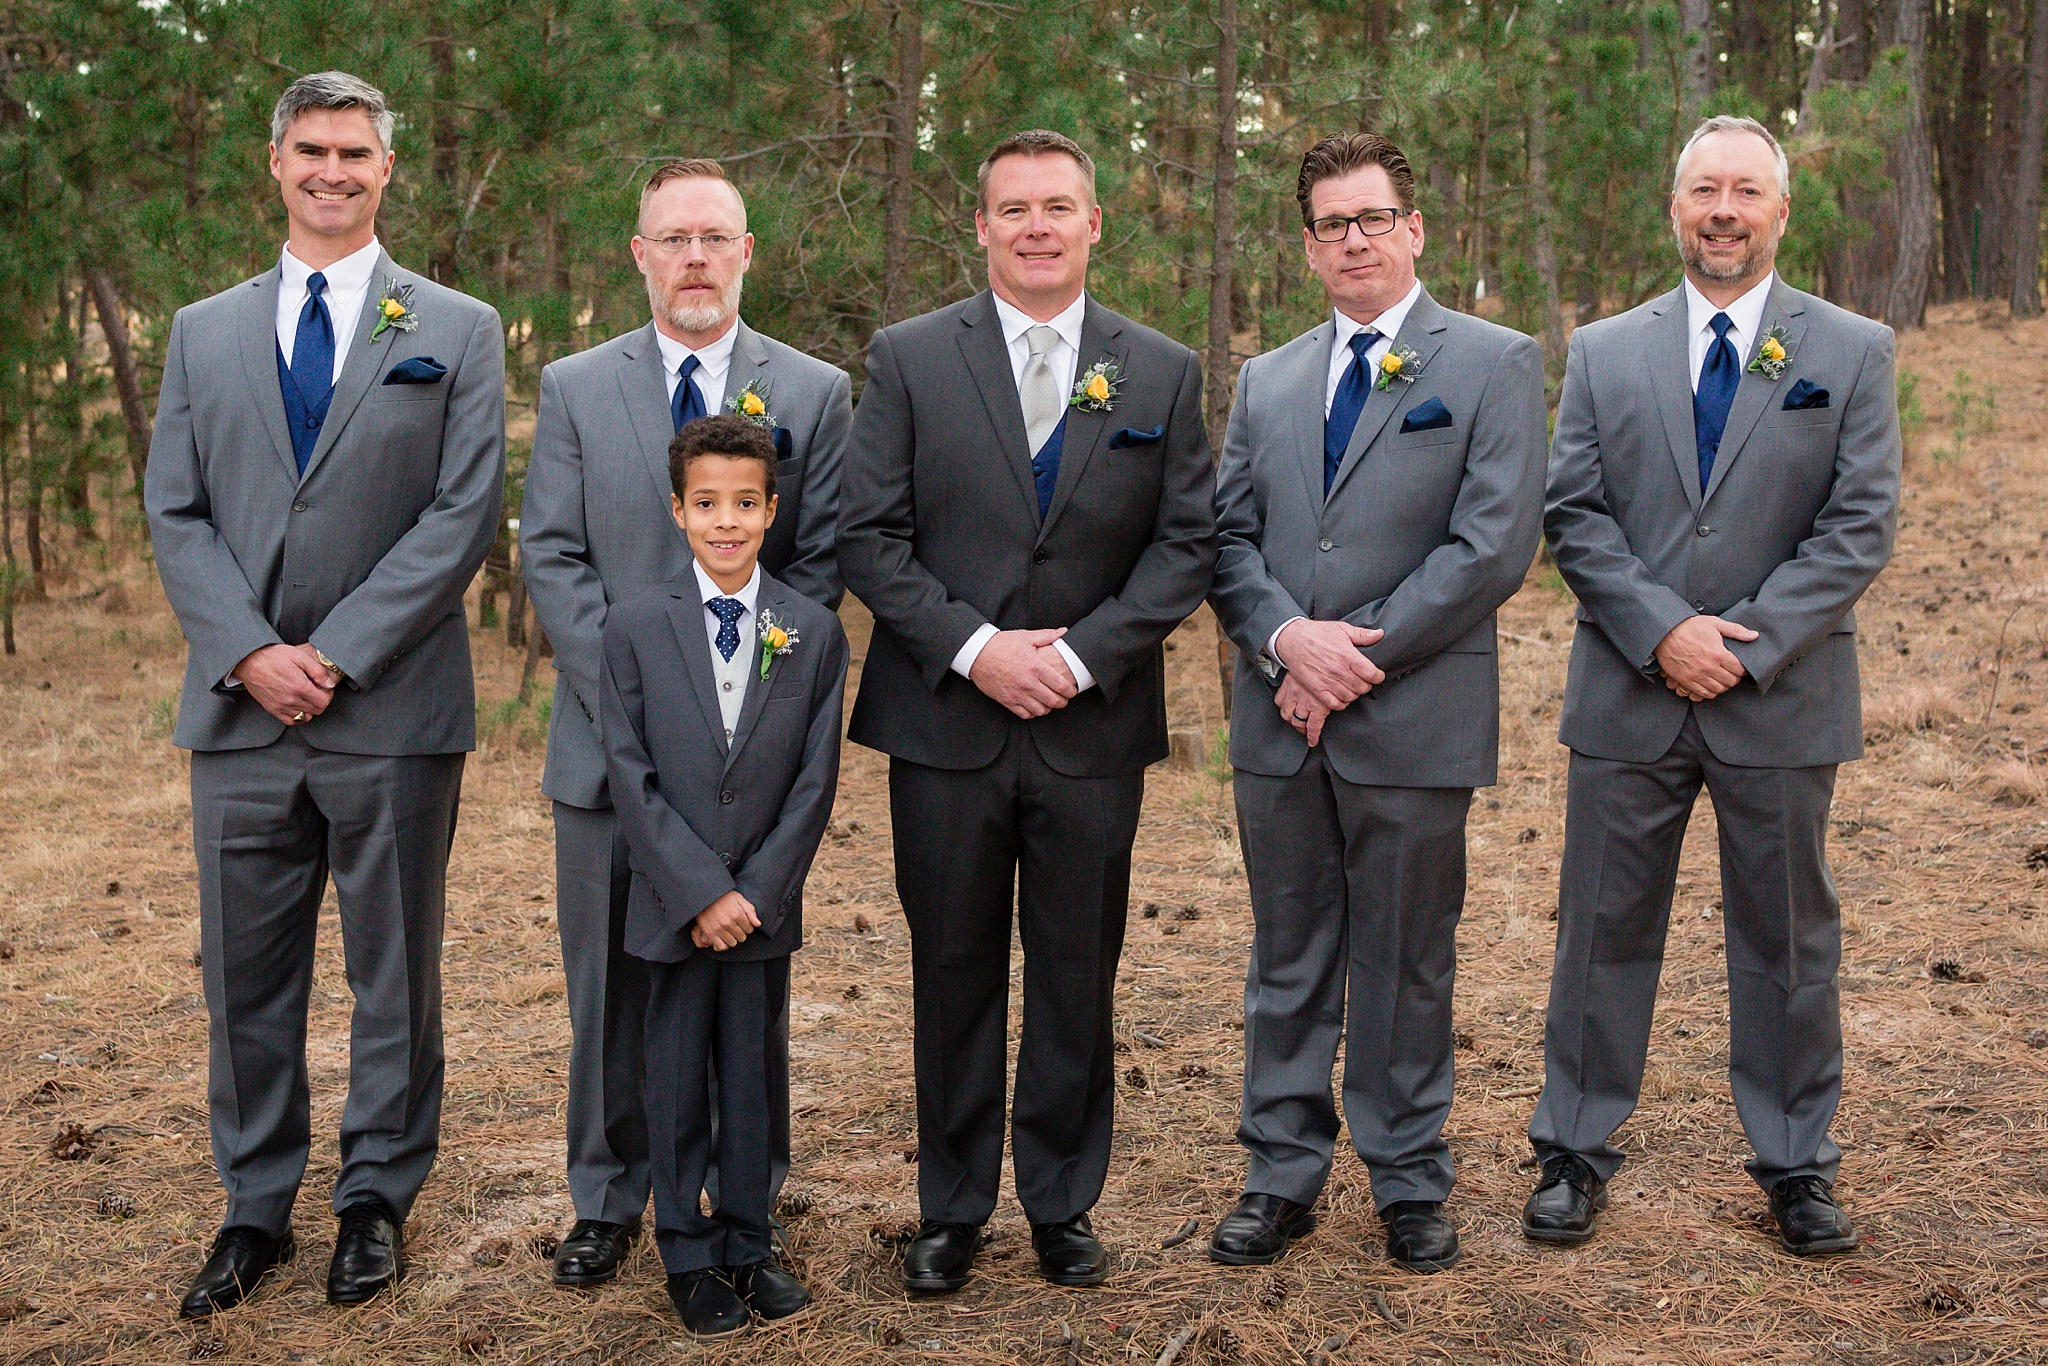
column 726, row 434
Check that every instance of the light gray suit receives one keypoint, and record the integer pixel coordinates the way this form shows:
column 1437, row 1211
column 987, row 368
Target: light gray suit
column 1356, row 849
column 595, row 530
column 367, row 555
column 1797, row 518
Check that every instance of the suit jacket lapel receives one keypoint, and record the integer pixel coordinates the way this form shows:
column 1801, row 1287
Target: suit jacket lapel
column 1101, row 331
column 988, row 360
column 1302, row 395
column 258, row 324
column 365, row 362
column 1755, row 390
column 1421, row 332
column 749, row 362
column 686, row 614
column 775, row 598
column 643, row 388
column 1668, row 358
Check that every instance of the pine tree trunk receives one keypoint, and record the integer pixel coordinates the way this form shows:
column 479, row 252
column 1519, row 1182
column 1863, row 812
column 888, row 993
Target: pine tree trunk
column 909, row 23
column 2024, row 252
column 1696, row 21
column 10, row 572
column 1961, row 145
column 446, row 161
column 1539, row 215
column 1218, row 383
column 1906, row 302
column 127, row 383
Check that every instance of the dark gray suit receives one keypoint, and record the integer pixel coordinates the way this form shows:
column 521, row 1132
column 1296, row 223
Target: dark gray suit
column 941, row 534
column 700, row 819
column 1356, row 849
column 595, row 529
column 367, row 555
column 1796, row 520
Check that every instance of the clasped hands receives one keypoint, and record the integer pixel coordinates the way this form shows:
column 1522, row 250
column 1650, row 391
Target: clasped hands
column 1022, row 670
column 1694, row 662
column 288, row 681
column 1325, row 671
column 725, row 922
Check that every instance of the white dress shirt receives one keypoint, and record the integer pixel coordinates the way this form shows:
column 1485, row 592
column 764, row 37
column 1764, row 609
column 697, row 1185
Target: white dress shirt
column 729, row 676
column 714, row 363
column 348, row 285
column 1747, row 313
column 1064, row 360
column 1388, row 325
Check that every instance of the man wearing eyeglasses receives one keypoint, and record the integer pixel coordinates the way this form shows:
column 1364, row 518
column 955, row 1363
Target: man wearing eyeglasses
column 1379, row 496
column 596, row 529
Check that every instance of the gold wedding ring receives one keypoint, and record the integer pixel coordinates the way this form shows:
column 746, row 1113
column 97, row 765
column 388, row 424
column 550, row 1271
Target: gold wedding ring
column 298, row 716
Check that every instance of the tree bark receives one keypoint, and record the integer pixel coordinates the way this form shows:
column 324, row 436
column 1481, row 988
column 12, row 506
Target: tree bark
column 446, row 162
column 1696, row 21
column 127, row 383
column 2024, row 251
column 10, row 572
column 1906, row 301
column 1219, row 381
column 1539, row 214
column 1962, row 140
column 909, row 22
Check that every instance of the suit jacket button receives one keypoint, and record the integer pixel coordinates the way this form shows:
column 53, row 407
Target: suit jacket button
column 1704, row 528
column 725, row 798
column 1699, row 604
column 298, row 507
column 1039, row 556
column 1326, row 545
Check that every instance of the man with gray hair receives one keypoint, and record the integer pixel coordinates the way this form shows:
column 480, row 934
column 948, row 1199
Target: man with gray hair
column 595, row 530
column 1724, row 484
column 324, row 480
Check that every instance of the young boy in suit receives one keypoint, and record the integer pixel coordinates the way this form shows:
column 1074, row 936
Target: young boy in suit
column 721, row 707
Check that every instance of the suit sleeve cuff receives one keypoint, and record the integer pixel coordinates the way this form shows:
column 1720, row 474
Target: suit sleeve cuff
column 963, row 662
column 1083, row 680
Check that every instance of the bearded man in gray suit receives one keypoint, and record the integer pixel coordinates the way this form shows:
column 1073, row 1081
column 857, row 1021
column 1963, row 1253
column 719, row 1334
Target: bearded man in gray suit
column 1723, row 486
column 595, row 530
column 1379, row 497
column 324, row 480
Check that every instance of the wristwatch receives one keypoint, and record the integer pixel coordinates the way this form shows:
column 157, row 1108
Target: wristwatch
column 327, row 663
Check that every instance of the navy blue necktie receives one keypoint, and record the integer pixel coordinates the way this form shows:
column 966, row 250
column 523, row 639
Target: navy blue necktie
column 1716, row 394
column 728, row 611
column 312, row 368
column 1352, row 392
column 687, row 404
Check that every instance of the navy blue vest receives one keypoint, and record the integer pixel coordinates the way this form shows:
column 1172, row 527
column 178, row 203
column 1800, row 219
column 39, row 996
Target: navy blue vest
column 1045, row 466
column 303, row 417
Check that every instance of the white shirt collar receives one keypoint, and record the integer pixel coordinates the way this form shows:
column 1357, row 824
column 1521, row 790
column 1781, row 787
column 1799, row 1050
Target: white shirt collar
column 350, row 275
column 1747, row 312
column 715, row 358
column 1016, row 322
column 1387, row 324
column 711, row 590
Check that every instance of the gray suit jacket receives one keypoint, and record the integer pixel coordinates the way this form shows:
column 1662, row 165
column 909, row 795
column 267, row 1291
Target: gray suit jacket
column 1423, row 535
column 701, row 818
column 1797, row 519
column 368, row 555
column 941, row 534
column 596, row 529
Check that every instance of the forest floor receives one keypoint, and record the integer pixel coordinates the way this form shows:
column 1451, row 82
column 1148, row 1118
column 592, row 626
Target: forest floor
column 1939, row 839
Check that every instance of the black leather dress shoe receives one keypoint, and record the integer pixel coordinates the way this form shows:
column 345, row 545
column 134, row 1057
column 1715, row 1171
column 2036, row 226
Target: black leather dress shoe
column 1068, row 1253
column 1810, row 1223
column 241, row 1257
column 941, row 1257
column 1258, row 1231
column 705, row 1302
column 1419, row 1238
column 366, row 1253
column 771, row 1292
column 591, row 1254
column 1562, row 1207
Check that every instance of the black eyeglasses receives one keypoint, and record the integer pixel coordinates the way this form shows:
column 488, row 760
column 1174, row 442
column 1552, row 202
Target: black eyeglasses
column 1372, row 223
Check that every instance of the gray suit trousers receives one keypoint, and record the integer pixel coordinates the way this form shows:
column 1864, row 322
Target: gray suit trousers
column 268, row 826
column 1624, row 825
column 1356, row 895
column 607, row 989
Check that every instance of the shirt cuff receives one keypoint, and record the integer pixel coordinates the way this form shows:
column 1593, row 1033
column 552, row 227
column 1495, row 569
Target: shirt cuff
column 963, row 662
column 1083, row 680
column 1273, row 641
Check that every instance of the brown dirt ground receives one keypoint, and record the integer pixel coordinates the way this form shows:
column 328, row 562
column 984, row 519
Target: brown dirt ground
column 1946, row 1172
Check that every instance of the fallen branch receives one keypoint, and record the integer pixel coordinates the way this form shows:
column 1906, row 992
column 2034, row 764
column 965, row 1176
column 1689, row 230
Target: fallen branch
column 1180, row 1235
column 1181, row 1339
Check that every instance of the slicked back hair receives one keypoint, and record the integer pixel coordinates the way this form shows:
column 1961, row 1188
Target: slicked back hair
column 331, row 90
column 726, row 434
column 1340, row 156
column 1735, row 123
column 690, row 168
column 1033, row 142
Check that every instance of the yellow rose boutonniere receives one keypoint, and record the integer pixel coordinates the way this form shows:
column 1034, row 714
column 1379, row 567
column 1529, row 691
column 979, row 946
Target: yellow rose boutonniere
column 1398, row 364
column 751, row 403
column 394, row 309
column 1097, row 387
column 777, row 638
column 1771, row 354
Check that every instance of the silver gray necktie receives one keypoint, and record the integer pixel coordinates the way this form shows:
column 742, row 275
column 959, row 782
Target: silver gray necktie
column 1039, row 391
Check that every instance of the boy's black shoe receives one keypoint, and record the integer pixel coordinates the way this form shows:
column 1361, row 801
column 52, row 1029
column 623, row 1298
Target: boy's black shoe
column 242, row 1257
column 1810, row 1223
column 1258, row 1231
column 705, row 1302
column 770, row 1291
column 941, row 1257
column 1069, row 1253
column 1419, row 1238
column 591, row 1254
column 1562, row 1207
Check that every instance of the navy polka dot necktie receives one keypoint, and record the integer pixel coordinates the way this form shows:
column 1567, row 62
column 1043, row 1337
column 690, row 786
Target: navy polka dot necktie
column 728, row 611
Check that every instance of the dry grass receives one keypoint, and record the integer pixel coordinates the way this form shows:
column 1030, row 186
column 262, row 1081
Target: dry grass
column 1945, row 1004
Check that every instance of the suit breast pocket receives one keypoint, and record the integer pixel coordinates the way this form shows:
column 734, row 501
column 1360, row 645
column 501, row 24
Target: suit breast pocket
column 1435, row 436
column 1796, row 418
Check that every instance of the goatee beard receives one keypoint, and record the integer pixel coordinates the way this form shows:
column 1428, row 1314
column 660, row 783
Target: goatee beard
column 1692, row 250
column 698, row 317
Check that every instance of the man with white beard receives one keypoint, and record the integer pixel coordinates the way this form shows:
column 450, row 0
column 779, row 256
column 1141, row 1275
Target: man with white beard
column 595, row 529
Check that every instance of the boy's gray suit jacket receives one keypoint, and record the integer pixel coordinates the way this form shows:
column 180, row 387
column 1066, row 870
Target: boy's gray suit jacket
column 1797, row 519
column 702, row 818
column 367, row 555
column 1424, row 533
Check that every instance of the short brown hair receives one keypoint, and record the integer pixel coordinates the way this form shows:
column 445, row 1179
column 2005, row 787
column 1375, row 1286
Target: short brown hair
column 1033, row 142
column 690, row 168
column 1333, row 157
column 727, row 434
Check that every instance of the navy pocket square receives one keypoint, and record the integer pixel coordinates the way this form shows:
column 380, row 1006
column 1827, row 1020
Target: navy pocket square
column 1426, row 417
column 781, row 437
column 1804, row 395
column 1131, row 436
column 416, row 370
